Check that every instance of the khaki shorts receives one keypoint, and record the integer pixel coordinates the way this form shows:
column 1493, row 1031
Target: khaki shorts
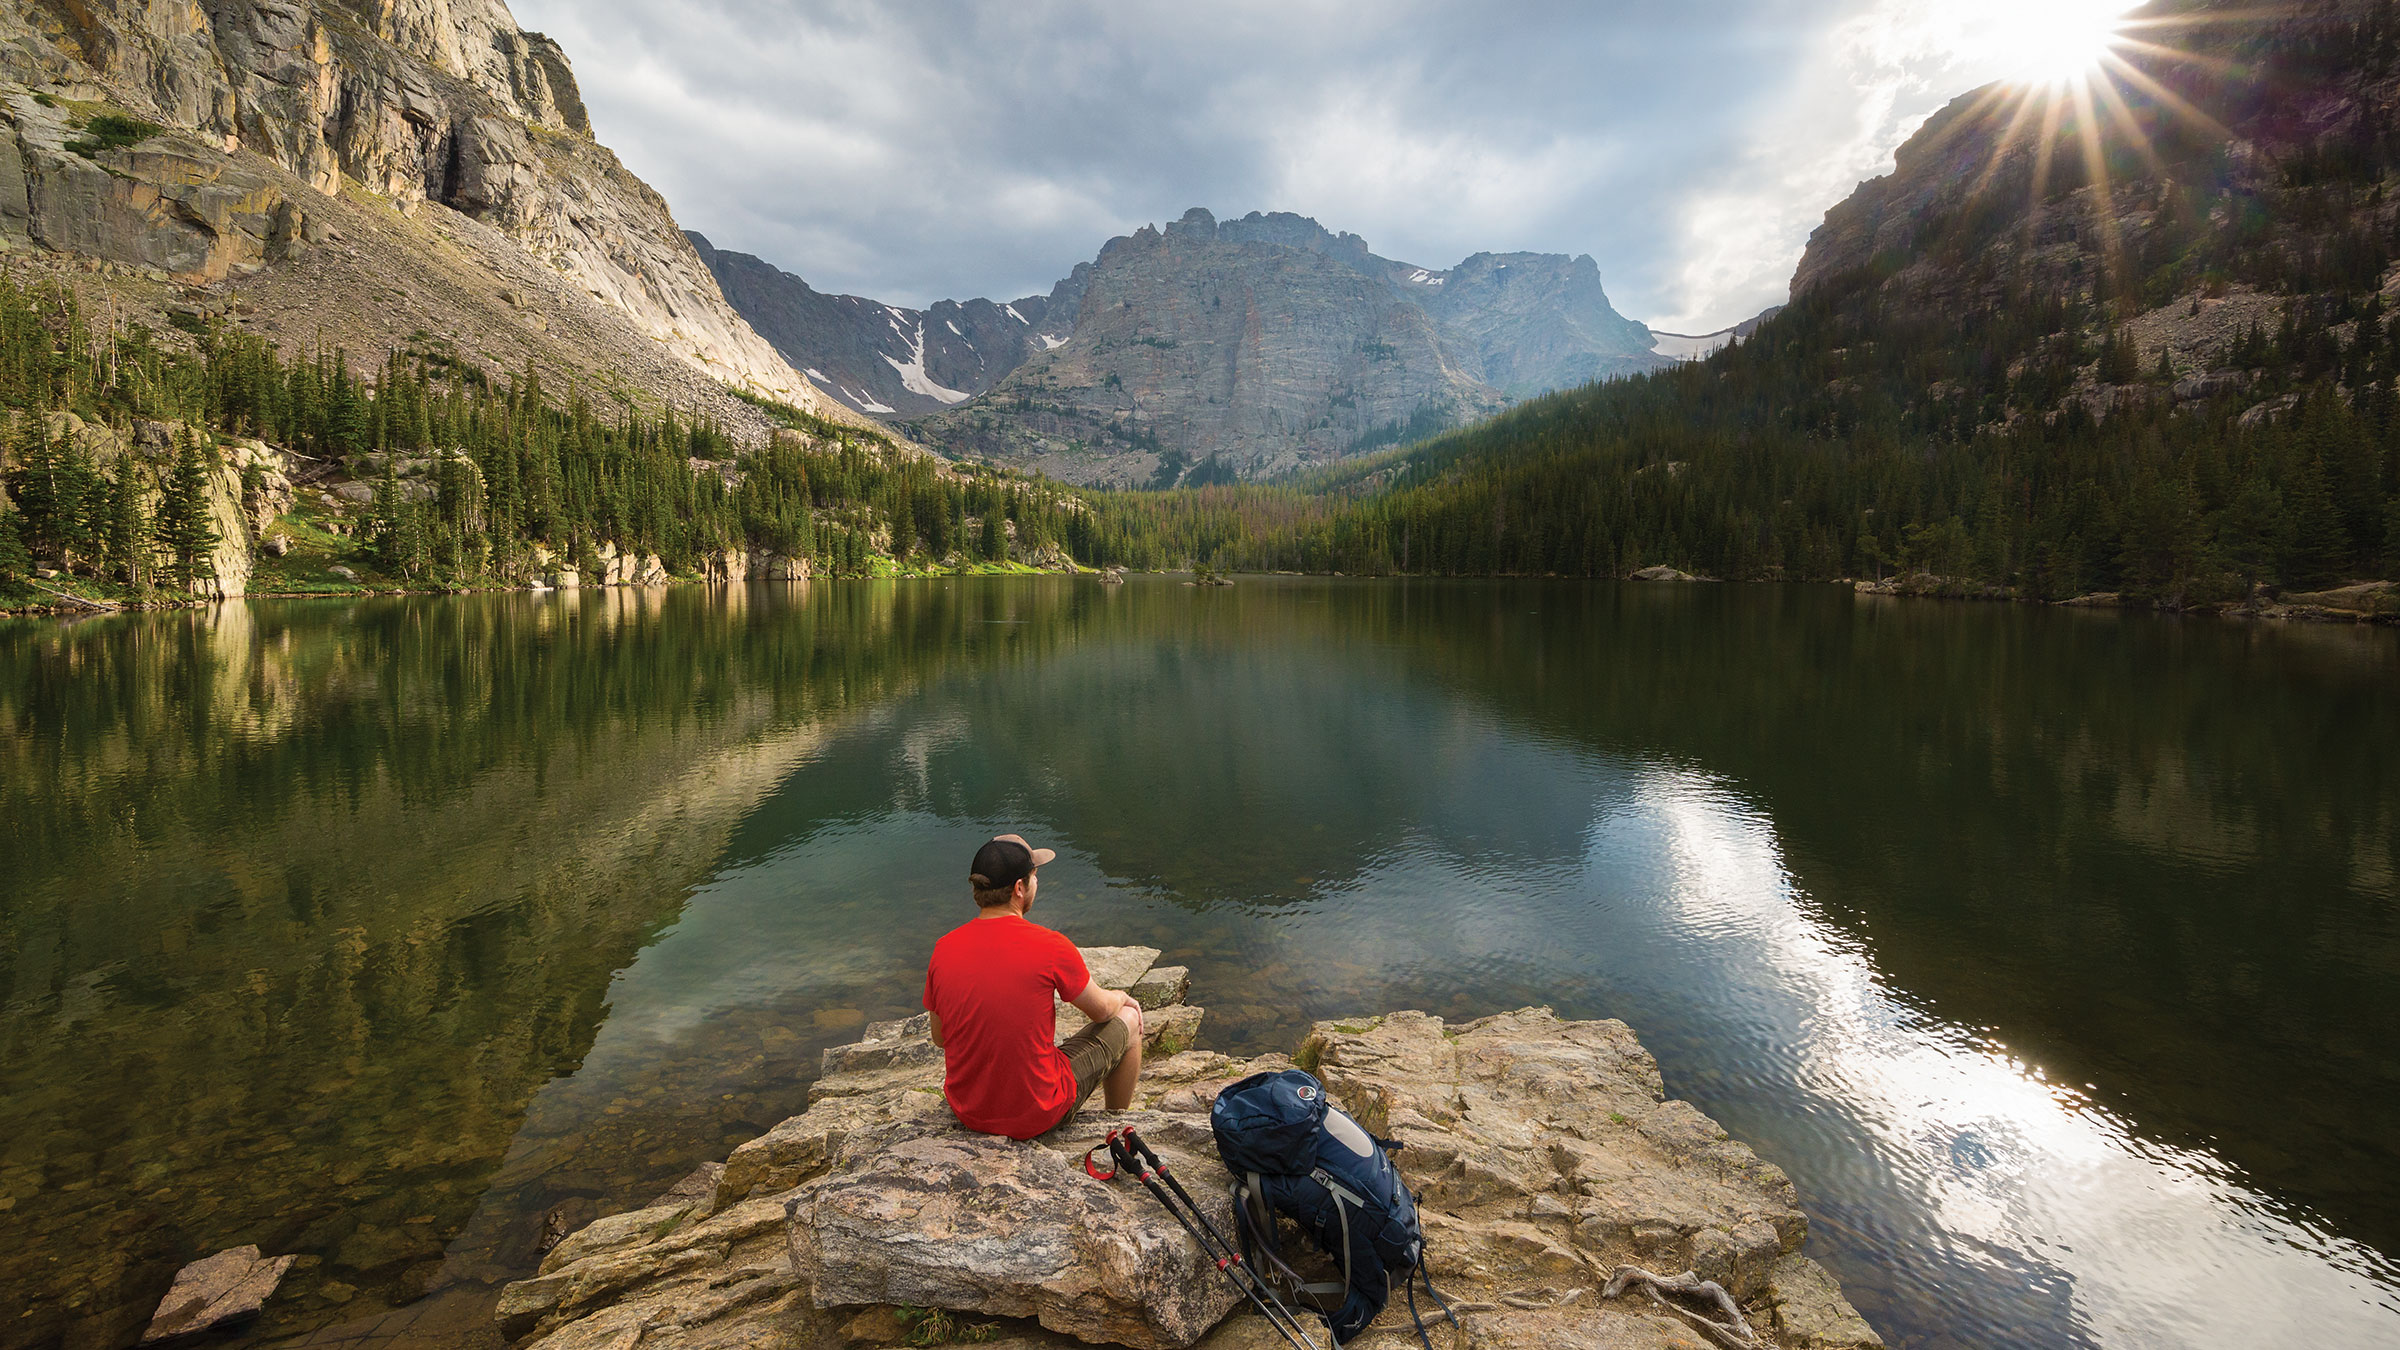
column 1091, row 1053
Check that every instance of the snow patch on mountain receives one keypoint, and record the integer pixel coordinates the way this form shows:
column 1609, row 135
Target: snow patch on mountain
column 912, row 372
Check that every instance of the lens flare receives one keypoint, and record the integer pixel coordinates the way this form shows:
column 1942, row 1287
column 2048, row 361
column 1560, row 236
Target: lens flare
column 2050, row 43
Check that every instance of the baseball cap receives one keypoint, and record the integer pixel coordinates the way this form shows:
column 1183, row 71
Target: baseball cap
column 1005, row 861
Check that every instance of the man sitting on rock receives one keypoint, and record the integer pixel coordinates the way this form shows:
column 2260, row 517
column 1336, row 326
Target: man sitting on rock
column 988, row 987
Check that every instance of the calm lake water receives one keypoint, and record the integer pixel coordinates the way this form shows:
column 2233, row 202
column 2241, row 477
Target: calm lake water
column 2056, row 955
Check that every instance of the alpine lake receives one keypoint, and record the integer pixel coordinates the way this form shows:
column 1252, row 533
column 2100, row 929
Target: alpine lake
column 2055, row 954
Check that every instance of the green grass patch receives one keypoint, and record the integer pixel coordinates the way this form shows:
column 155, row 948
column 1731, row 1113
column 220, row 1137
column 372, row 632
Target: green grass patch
column 790, row 418
column 940, row 1326
column 112, row 131
column 989, row 569
column 307, row 569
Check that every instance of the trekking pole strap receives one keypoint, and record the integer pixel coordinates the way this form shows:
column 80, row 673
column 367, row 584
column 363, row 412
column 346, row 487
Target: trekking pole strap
column 1095, row 1173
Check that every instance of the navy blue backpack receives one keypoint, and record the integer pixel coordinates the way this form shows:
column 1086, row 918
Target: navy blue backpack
column 1294, row 1154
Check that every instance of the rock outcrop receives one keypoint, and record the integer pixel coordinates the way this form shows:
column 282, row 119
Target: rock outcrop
column 887, row 359
column 1205, row 351
column 246, row 487
column 1546, row 1151
column 2238, row 177
column 198, row 145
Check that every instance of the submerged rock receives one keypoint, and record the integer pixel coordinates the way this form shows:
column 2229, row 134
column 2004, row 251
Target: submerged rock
column 221, row 1290
column 1546, row 1152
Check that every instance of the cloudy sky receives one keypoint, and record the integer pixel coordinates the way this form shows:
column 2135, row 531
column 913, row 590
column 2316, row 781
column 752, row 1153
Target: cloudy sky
column 912, row 150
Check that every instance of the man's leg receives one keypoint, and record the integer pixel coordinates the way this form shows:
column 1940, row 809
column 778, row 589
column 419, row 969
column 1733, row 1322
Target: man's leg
column 1117, row 1088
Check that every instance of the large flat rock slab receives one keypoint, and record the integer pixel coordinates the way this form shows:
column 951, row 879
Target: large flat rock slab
column 1546, row 1150
column 979, row 1224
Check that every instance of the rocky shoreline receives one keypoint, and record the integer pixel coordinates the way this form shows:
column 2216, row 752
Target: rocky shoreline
column 2358, row 602
column 1546, row 1151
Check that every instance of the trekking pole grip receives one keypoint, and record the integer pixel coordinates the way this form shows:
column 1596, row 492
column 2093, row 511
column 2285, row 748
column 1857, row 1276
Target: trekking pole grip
column 1142, row 1146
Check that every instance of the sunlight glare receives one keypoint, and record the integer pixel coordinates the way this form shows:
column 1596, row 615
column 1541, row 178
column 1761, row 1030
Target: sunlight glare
column 2048, row 42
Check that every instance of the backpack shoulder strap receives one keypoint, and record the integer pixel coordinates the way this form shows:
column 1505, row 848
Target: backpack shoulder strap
column 1257, row 1221
column 1435, row 1294
column 1343, row 1200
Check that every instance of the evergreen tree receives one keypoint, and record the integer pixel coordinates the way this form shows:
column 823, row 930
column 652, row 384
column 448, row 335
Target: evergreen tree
column 382, row 527
column 126, row 545
column 186, row 535
column 2248, row 533
column 46, row 490
column 2120, row 360
column 2316, row 545
column 15, row 563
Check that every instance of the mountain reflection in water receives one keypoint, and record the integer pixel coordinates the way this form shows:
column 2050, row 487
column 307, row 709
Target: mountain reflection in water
column 2053, row 955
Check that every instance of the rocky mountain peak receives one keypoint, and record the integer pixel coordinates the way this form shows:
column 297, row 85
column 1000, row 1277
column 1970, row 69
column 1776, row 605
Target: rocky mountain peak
column 1281, row 228
column 1259, row 344
column 262, row 113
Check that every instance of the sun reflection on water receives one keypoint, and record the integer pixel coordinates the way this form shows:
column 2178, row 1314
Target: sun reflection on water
column 2156, row 1245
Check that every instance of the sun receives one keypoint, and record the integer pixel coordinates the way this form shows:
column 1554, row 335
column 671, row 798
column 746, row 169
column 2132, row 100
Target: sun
column 2049, row 43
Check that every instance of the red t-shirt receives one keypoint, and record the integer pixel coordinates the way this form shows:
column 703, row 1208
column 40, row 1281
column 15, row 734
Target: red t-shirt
column 990, row 981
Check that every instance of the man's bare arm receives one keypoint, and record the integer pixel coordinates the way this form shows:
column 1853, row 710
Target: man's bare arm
column 1101, row 1004
column 937, row 1029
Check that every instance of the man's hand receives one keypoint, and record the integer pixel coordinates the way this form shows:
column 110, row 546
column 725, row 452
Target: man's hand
column 1101, row 1004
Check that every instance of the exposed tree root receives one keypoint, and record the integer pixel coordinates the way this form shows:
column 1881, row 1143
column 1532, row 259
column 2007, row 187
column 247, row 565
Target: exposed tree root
column 1734, row 1333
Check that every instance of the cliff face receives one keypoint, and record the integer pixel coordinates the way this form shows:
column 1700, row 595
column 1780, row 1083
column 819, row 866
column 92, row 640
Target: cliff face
column 265, row 117
column 2233, row 168
column 885, row 359
column 1533, row 322
column 1189, row 348
column 1233, row 348
column 1260, row 345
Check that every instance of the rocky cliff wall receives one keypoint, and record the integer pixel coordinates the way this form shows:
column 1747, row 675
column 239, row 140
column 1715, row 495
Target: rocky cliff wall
column 1261, row 356
column 886, row 359
column 2234, row 160
column 247, row 485
column 1254, row 346
column 270, row 111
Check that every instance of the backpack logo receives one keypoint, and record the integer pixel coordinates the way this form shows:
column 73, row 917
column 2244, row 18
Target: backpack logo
column 1308, row 1094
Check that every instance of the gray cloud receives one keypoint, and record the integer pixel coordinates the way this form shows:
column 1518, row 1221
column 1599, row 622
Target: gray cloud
column 943, row 148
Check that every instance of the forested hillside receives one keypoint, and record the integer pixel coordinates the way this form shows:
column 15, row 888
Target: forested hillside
column 498, row 468
column 2142, row 343
column 2146, row 342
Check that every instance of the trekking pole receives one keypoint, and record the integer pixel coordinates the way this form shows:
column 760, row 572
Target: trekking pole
column 1231, row 1253
column 1241, row 1276
column 1167, row 1174
column 1262, row 1296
